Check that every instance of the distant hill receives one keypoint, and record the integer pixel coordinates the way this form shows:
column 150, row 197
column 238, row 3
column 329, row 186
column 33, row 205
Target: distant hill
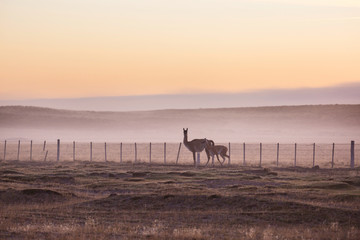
column 340, row 94
column 308, row 123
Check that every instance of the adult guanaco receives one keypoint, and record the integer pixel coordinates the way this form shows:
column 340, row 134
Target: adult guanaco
column 195, row 145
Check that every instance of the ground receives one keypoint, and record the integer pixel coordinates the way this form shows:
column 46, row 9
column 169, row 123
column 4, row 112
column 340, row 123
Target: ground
column 94, row 200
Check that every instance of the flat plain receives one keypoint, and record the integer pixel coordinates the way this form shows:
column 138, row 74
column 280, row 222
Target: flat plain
column 107, row 200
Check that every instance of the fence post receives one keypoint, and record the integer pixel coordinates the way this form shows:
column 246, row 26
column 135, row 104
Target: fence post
column 260, row 153
column 31, row 150
column 177, row 159
column 90, row 151
column 105, row 153
column 5, row 151
column 314, row 155
column 352, row 153
column 58, row 150
column 277, row 154
column 150, row 153
column 46, row 155
column 121, row 153
column 244, row 155
column 18, row 152
column 229, row 154
column 164, row 152
column 135, row 153
column 295, row 157
column 332, row 157
column 74, row 150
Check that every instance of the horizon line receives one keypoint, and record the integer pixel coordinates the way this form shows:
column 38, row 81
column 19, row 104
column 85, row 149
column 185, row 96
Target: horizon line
column 249, row 91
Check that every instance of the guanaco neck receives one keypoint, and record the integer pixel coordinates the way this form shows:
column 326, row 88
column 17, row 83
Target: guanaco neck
column 185, row 138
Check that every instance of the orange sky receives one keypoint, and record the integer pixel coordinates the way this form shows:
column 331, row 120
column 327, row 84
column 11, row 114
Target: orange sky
column 82, row 48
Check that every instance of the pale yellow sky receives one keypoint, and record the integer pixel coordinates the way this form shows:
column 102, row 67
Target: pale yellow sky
column 82, row 48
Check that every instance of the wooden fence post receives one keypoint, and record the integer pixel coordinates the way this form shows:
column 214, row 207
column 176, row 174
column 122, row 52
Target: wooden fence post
column 229, row 154
column 260, row 153
column 105, row 153
column 74, row 151
column 18, row 152
column 58, row 150
column 90, row 151
column 135, row 153
column 121, row 153
column 150, row 153
column 177, row 159
column 352, row 154
column 277, row 154
column 295, row 157
column 244, row 163
column 164, row 152
column 314, row 155
column 332, row 157
column 31, row 150
column 5, row 151
column 46, row 155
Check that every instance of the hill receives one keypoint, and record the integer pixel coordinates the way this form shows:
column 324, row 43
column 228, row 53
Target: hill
column 339, row 94
column 308, row 123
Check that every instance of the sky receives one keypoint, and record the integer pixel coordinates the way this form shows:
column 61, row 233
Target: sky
column 88, row 48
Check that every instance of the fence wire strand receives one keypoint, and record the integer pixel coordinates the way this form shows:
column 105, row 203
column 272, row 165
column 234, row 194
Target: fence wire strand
column 325, row 155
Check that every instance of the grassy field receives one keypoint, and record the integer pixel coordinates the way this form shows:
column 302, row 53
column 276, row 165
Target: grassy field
column 94, row 200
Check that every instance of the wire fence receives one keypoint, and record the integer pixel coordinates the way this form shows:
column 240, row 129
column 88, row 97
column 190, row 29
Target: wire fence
column 333, row 155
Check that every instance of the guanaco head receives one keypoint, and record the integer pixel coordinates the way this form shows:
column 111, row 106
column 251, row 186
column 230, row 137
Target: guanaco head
column 209, row 143
column 185, row 131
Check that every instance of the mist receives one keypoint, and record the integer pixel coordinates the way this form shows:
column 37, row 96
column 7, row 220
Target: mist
column 287, row 124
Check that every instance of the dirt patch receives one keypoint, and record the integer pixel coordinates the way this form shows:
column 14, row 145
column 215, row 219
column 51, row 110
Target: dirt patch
column 9, row 172
column 57, row 179
column 347, row 197
column 40, row 192
column 220, row 183
column 140, row 174
column 12, row 196
column 354, row 181
column 261, row 172
column 108, row 175
column 330, row 185
column 188, row 174
column 133, row 179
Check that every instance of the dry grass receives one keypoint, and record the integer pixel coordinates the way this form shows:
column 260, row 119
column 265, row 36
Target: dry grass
column 84, row 200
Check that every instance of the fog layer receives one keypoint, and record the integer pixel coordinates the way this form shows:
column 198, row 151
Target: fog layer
column 315, row 123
